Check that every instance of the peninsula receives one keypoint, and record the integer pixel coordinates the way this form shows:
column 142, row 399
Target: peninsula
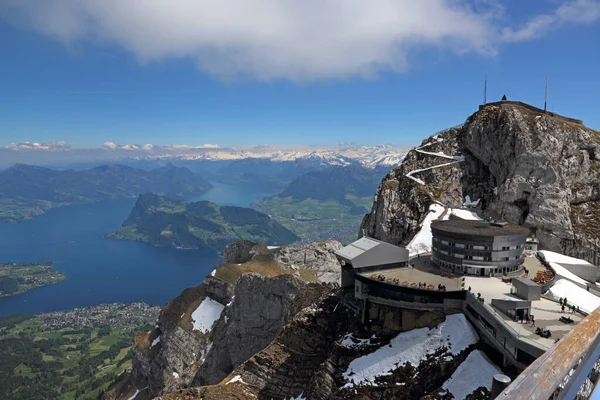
column 18, row 278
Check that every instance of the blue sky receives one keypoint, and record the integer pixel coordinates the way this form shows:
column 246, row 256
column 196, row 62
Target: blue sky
column 91, row 74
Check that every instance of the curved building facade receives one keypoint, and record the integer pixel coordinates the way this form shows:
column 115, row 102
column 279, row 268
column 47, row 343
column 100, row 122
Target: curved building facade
column 478, row 247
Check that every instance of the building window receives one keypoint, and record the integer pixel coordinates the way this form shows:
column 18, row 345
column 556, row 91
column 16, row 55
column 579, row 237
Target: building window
column 478, row 247
column 478, row 258
column 460, row 246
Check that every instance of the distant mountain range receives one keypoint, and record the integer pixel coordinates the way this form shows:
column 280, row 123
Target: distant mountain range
column 27, row 190
column 166, row 222
column 334, row 183
column 367, row 156
column 61, row 155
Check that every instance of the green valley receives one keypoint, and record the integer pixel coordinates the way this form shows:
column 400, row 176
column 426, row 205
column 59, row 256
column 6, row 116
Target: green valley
column 326, row 204
column 71, row 354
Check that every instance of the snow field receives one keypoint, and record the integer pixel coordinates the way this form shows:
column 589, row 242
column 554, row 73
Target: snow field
column 477, row 370
column 421, row 243
column 565, row 273
column 575, row 295
column 412, row 346
column 206, row 314
column 551, row 256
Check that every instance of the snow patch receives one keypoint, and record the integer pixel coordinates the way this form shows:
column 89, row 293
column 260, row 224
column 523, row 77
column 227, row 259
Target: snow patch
column 206, row 314
column 214, row 271
column 350, row 341
column 470, row 203
column 551, row 256
column 155, row 342
column 137, row 391
column 236, row 378
column 273, row 247
column 465, row 214
column 412, row 346
column 585, row 300
column 477, row 370
column 421, row 243
column 175, row 375
column 300, row 397
column 565, row 273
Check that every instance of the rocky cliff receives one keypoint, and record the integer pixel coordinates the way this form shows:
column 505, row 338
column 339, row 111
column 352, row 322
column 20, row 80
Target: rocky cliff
column 515, row 162
column 209, row 330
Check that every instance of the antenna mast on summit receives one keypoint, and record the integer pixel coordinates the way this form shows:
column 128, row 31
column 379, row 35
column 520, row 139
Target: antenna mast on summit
column 485, row 90
column 546, row 94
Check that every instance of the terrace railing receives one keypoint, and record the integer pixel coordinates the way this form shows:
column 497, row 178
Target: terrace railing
column 562, row 372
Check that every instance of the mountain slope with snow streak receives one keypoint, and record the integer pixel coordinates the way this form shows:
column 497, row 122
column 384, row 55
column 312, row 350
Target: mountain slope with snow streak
column 411, row 347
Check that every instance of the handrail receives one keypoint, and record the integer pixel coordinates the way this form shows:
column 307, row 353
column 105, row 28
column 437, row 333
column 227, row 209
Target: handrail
column 510, row 330
column 545, row 375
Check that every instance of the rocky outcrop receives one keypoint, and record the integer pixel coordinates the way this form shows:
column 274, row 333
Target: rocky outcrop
column 527, row 167
column 259, row 297
column 306, row 360
column 239, row 252
column 261, row 307
column 319, row 258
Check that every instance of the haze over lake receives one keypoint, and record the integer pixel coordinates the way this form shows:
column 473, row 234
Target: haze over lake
column 100, row 270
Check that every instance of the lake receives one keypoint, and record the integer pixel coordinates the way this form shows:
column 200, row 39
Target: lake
column 100, row 270
column 232, row 195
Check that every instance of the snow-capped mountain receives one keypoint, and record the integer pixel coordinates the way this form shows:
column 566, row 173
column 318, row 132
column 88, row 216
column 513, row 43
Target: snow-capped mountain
column 367, row 156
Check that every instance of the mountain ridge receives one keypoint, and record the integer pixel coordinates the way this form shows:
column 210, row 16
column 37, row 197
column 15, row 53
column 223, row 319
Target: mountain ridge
column 166, row 222
column 26, row 190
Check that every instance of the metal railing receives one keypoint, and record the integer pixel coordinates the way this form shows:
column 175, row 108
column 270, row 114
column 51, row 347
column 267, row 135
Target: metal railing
column 562, row 371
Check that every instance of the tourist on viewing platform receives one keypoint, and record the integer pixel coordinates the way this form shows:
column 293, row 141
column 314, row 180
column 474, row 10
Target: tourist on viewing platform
column 562, row 307
column 532, row 321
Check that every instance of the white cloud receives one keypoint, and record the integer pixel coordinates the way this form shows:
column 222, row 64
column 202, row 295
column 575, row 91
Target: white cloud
column 285, row 39
column 574, row 12
column 56, row 146
column 266, row 39
column 109, row 145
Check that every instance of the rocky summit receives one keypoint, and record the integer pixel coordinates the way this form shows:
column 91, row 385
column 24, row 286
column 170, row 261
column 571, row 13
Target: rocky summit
column 509, row 160
column 209, row 330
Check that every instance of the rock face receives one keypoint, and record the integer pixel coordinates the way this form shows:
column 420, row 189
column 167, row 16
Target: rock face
column 527, row 167
column 260, row 296
column 308, row 360
column 318, row 258
column 239, row 252
column 262, row 306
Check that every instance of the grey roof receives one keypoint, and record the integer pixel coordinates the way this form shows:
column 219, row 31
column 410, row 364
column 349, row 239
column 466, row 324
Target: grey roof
column 368, row 252
column 479, row 228
column 526, row 281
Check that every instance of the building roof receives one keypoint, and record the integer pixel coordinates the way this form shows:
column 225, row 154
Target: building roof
column 478, row 228
column 526, row 281
column 368, row 252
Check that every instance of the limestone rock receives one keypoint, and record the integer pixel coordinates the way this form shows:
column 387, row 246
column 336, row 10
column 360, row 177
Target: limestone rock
column 256, row 308
column 318, row 258
column 527, row 167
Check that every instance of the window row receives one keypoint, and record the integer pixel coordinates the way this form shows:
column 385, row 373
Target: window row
column 477, row 247
column 475, row 258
